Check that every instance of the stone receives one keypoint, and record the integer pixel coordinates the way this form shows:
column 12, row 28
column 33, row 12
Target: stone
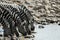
column 41, row 27
column 52, row 21
column 44, row 23
column 27, row 3
column 59, row 24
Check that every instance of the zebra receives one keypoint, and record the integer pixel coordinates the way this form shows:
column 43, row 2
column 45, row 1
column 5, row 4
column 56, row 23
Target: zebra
column 22, row 31
column 30, row 17
column 4, row 23
column 22, row 16
column 16, row 16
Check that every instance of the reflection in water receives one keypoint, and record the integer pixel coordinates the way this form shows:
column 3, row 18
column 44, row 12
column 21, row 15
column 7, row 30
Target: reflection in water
column 49, row 32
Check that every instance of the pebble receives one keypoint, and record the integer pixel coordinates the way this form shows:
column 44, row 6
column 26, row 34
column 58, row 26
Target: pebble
column 41, row 27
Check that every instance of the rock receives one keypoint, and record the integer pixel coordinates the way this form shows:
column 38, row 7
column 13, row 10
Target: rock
column 30, row 6
column 33, row 32
column 59, row 24
column 33, row 36
column 50, row 15
column 32, row 39
column 44, row 23
column 41, row 27
column 48, row 7
column 27, row 3
column 35, row 8
column 52, row 21
column 43, row 15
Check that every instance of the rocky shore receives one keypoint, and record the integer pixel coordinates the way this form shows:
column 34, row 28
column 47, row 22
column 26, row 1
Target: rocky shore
column 42, row 10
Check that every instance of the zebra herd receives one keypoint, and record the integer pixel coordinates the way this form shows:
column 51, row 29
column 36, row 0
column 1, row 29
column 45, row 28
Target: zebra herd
column 16, row 19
